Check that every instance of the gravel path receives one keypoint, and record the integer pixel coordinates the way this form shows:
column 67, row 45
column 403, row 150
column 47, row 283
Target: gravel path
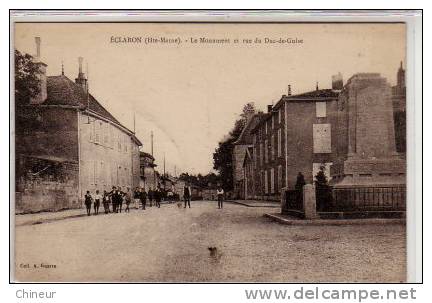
column 170, row 244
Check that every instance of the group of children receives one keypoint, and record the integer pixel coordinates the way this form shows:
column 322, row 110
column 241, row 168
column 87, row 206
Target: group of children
column 116, row 197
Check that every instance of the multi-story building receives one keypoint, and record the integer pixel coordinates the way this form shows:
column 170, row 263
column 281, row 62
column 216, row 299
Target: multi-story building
column 295, row 136
column 67, row 143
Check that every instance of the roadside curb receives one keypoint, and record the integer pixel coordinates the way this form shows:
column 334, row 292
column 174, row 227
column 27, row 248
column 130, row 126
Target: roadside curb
column 337, row 222
column 251, row 205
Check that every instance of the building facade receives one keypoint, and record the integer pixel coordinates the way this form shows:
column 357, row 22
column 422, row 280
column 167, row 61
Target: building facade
column 68, row 143
column 295, row 136
column 241, row 145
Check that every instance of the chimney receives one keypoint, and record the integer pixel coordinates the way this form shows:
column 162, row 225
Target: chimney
column 337, row 82
column 289, row 89
column 81, row 80
column 317, row 86
column 269, row 108
column 41, row 75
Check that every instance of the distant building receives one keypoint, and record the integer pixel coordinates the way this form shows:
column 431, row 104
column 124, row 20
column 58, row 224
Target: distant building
column 68, row 143
column 149, row 179
column 240, row 146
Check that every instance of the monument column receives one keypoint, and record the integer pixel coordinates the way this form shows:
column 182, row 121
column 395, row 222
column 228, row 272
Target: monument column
column 371, row 158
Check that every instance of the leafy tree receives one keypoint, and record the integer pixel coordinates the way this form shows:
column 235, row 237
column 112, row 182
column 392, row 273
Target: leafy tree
column 321, row 178
column 26, row 80
column 222, row 157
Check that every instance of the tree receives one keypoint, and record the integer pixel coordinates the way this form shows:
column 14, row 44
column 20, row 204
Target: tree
column 222, row 157
column 26, row 80
column 321, row 178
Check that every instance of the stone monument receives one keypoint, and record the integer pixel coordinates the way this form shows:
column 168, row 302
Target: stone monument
column 365, row 137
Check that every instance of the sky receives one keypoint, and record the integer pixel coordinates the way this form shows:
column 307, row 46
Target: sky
column 190, row 94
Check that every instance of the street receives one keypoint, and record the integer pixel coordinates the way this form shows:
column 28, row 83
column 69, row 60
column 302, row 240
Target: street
column 171, row 244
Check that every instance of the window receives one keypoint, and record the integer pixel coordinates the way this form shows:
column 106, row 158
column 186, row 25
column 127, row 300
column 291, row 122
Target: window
column 321, row 138
column 279, row 177
column 265, row 150
column 119, row 141
column 321, row 111
column 273, row 120
column 272, row 147
column 105, row 134
column 91, row 128
column 261, row 154
column 279, row 144
column 96, row 172
column 98, row 126
column 266, row 128
column 279, row 115
column 265, row 182
column 272, row 181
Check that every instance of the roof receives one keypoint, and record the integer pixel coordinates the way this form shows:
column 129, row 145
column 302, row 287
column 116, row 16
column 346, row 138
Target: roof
column 245, row 136
column 314, row 95
column 146, row 155
column 311, row 96
column 63, row 91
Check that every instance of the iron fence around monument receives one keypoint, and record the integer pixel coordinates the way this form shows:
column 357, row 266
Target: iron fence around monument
column 382, row 198
column 294, row 200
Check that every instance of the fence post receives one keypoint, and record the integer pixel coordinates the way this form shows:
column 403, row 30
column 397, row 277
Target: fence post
column 309, row 201
column 283, row 198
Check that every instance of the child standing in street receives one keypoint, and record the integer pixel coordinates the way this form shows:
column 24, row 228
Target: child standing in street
column 97, row 201
column 88, row 202
column 105, row 201
column 128, row 199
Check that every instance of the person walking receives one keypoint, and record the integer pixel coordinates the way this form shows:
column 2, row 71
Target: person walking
column 220, row 196
column 187, row 192
column 97, row 202
column 113, row 196
column 157, row 195
column 88, row 202
column 105, row 202
column 120, row 196
column 151, row 196
column 137, row 197
column 128, row 200
column 143, row 198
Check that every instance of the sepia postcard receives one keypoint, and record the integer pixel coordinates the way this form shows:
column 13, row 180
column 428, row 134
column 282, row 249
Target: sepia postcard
column 209, row 152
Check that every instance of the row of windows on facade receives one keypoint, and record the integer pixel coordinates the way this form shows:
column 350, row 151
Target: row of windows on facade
column 321, row 137
column 100, row 173
column 320, row 111
column 269, row 175
column 321, row 134
column 265, row 149
column 102, row 133
column 273, row 188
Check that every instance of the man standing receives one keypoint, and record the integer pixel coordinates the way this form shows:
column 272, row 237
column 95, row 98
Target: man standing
column 113, row 195
column 187, row 195
column 220, row 194
column 157, row 195
column 143, row 198
column 128, row 200
column 120, row 196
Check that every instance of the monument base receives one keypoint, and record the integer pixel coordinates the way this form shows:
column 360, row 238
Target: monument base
column 357, row 172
